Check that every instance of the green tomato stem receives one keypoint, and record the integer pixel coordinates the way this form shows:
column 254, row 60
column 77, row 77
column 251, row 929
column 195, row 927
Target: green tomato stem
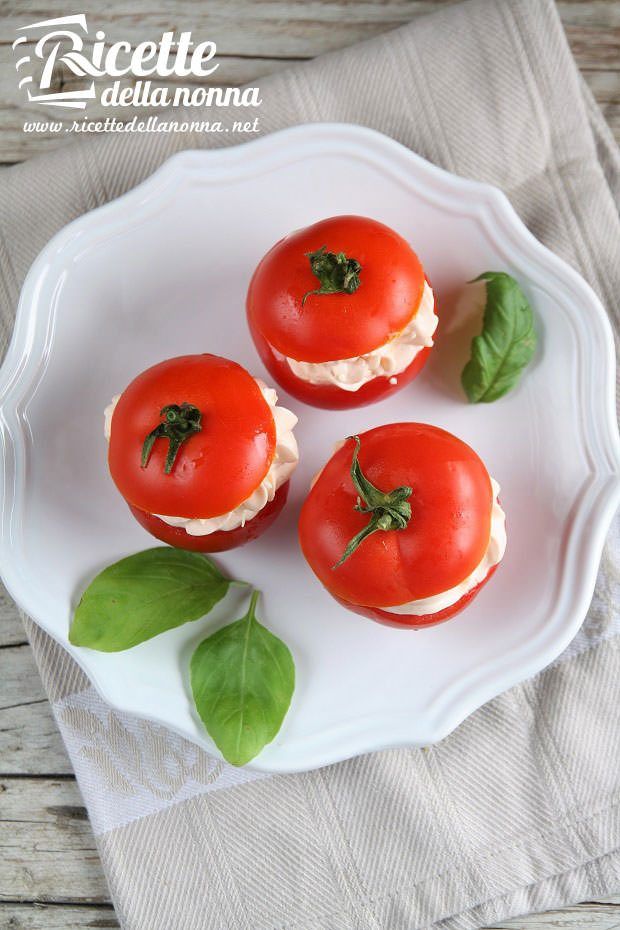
column 180, row 422
column 388, row 511
column 337, row 273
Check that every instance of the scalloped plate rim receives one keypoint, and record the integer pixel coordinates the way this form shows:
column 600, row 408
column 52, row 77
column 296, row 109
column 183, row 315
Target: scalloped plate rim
column 19, row 373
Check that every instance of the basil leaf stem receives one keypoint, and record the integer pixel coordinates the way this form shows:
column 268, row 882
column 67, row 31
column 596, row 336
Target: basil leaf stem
column 242, row 679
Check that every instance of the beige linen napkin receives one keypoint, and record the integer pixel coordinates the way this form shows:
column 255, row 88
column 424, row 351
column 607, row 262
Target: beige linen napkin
column 518, row 810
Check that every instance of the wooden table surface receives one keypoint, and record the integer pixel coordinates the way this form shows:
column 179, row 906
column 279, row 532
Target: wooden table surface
column 50, row 875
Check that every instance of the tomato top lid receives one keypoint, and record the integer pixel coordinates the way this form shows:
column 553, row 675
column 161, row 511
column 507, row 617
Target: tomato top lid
column 442, row 542
column 222, row 455
column 381, row 281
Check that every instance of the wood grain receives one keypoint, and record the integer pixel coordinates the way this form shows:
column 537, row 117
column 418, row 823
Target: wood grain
column 581, row 917
column 274, row 35
column 29, row 739
column 21, row 684
column 48, row 849
column 46, row 815
column 605, row 86
column 48, row 853
column 57, row 917
column 11, row 628
column 61, row 917
column 50, row 875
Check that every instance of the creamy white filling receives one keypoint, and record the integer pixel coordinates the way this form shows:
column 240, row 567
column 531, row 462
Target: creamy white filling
column 493, row 555
column 284, row 462
column 387, row 361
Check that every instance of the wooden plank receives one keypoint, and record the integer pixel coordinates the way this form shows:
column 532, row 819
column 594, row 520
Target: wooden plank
column 274, row 34
column 43, row 831
column 605, row 85
column 49, row 854
column 61, row 917
column 19, row 676
column 268, row 28
column 11, row 628
column 56, row 917
column 595, row 47
column 43, row 824
column 589, row 13
column 251, row 28
column 48, row 849
column 579, row 917
column 15, row 145
column 606, row 89
column 29, row 739
column 30, row 742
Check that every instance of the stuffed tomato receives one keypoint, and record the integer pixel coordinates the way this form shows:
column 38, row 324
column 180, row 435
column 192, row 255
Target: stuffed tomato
column 403, row 525
column 341, row 312
column 201, row 452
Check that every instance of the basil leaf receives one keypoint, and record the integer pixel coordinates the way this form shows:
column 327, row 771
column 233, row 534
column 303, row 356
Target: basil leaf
column 242, row 679
column 143, row 595
column 506, row 344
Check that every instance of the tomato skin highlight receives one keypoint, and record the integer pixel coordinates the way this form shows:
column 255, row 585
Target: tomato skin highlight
column 330, row 327
column 217, row 468
column 413, row 621
column 221, row 540
column 329, row 396
column 444, row 541
column 334, row 326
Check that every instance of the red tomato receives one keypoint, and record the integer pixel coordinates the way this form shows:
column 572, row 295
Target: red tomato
column 448, row 492
column 329, row 396
column 221, row 539
column 212, row 441
column 415, row 621
column 287, row 318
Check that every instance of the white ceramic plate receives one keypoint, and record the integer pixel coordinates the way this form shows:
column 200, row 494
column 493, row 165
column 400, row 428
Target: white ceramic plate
column 163, row 271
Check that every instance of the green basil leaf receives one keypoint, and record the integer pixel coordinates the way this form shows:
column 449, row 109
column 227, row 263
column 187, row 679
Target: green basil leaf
column 143, row 595
column 242, row 679
column 506, row 344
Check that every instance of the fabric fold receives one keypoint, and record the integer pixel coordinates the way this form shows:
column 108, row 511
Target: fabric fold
column 516, row 811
